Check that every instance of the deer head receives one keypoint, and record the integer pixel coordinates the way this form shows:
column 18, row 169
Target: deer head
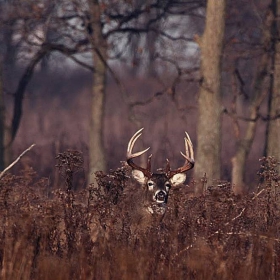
column 157, row 185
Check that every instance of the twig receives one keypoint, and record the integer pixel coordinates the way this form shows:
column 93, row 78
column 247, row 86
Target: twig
column 16, row 161
column 262, row 236
column 235, row 233
column 243, row 210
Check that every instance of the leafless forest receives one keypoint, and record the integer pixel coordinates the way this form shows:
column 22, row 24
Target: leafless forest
column 79, row 78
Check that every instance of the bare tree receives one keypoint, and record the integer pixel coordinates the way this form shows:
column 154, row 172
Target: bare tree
column 99, row 54
column 273, row 129
column 123, row 22
column 244, row 144
column 251, row 119
column 6, row 49
column 2, row 118
column 209, row 100
column 87, row 27
column 17, row 20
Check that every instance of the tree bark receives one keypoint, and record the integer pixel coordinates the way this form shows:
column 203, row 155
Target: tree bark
column 273, row 129
column 209, row 101
column 99, row 53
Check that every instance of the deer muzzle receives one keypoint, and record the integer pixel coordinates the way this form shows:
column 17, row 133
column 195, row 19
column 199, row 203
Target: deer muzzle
column 161, row 196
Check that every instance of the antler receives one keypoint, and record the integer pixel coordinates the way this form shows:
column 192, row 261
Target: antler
column 130, row 156
column 189, row 156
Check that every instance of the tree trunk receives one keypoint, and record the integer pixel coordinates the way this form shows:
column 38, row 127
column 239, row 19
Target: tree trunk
column 7, row 65
column 2, row 121
column 9, row 58
column 244, row 145
column 209, row 101
column 273, row 128
column 5, row 132
column 22, row 85
column 96, row 144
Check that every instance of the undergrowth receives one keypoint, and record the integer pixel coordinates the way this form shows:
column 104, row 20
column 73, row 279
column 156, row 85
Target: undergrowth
column 102, row 232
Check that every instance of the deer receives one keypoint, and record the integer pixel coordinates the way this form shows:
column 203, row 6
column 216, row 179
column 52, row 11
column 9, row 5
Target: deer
column 157, row 185
column 141, row 211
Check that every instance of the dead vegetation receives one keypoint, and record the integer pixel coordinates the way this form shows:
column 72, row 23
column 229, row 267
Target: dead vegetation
column 100, row 232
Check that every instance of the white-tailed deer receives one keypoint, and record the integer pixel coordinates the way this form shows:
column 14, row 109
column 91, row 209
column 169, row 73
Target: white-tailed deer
column 157, row 185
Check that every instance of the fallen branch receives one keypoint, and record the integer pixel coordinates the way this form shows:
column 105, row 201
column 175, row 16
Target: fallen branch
column 16, row 161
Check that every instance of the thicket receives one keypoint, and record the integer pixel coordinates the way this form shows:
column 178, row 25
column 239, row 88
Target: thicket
column 97, row 232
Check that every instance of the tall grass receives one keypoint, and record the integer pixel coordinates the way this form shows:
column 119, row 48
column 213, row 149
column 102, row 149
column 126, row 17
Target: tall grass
column 101, row 232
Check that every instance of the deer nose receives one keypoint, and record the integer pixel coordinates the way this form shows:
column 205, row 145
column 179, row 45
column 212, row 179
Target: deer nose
column 160, row 196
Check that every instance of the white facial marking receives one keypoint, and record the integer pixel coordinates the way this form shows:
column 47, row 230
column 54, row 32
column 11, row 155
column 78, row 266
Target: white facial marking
column 150, row 210
column 161, row 198
column 167, row 185
column 150, row 185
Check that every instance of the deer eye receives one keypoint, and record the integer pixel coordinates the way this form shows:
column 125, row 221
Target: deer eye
column 167, row 185
column 150, row 185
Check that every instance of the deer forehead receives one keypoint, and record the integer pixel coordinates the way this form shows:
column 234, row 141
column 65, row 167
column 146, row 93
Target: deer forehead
column 175, row 180
column 157, row 179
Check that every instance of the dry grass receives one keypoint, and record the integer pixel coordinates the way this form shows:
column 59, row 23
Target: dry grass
column 100, row 232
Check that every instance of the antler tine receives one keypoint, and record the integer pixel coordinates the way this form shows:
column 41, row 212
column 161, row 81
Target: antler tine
column 189, row 156
column 130, row 156
column 131, row 144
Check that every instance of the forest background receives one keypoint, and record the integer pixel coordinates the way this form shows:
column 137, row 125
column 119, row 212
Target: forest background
column 85, row 75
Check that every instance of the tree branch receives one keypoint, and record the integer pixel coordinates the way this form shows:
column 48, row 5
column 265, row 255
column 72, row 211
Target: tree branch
column 16, row 161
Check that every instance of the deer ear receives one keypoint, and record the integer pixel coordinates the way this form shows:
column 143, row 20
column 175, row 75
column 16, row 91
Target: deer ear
column 178, row 179
column 139, row 176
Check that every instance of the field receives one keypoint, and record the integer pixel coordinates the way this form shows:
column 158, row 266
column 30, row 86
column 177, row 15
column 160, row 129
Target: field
column 100, row 232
